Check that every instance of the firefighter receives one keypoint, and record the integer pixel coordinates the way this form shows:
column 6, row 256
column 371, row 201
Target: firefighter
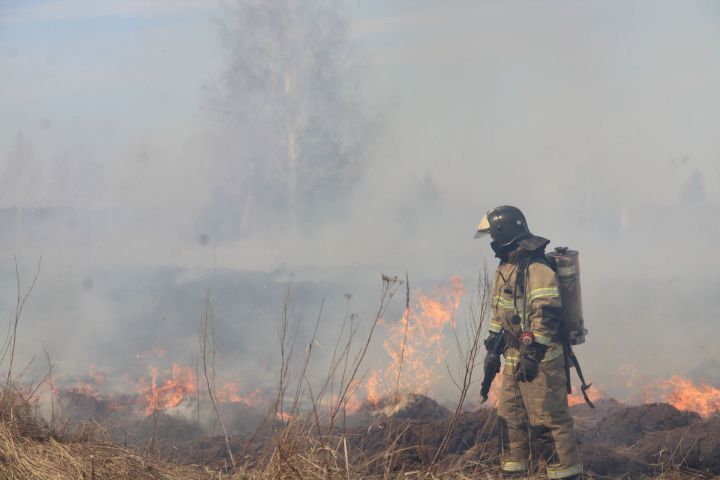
column 525, row 324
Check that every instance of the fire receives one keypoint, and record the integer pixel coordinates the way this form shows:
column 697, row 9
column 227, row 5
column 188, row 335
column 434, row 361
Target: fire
column 495, row 390
column 353, row 404
column 415, row 344
column 98, row 377
column 372, row 387
column 680, row 392
column 683, row 394
column 154, row 352
column 83, row 388
column 229, row 392
column 164, row 389
column 171, row 392
column 89, row 386
column 284, row 417
column 576, row 398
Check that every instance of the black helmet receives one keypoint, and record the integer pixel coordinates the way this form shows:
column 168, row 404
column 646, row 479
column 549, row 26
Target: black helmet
column 505, row 224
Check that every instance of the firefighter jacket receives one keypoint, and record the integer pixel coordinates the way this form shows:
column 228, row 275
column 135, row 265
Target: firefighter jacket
column 534, row 306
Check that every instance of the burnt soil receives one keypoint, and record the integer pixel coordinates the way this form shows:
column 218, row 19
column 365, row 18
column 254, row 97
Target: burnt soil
column 616, row 441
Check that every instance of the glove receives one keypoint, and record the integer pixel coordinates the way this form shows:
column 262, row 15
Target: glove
column 491, row 341
column 529, row 364
column 491, row 364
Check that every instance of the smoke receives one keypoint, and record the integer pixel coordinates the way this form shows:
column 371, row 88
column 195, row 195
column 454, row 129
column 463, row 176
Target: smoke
column 292, row 137
column 327, row 142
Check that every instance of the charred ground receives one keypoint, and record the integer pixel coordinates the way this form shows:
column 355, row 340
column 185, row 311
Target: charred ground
column 394, row 438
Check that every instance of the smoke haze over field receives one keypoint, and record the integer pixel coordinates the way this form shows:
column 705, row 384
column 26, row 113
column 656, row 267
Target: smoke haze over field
column 152, row 150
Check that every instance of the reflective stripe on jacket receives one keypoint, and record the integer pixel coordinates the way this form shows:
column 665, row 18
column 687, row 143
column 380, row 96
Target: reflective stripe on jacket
column 538, row 306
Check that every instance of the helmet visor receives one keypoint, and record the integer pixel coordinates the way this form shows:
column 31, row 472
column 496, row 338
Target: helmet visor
column 483, row 227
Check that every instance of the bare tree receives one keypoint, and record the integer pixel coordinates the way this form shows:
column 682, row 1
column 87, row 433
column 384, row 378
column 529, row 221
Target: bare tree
column 288, row 107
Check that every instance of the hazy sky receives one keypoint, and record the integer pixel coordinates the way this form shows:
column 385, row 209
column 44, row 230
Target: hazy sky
column 598, row 118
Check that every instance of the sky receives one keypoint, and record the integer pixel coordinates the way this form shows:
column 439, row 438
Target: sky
column 158, row 141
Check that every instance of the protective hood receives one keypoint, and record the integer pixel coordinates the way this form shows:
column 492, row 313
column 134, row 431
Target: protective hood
column 533, row 243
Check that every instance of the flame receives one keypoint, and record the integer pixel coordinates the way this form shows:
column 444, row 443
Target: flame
column 284, row 416
column 372, row 388
column 354, row 400
column 86, row 389
column 229, row 392
column 576, row 398
column 97, row 377
column 89, row 386
column 683, row 394
column 171, row 392
column 353, row 403
column 415, row 344
column 165, row 389
column 630, row 373
column 495, row 390
column 154, row 352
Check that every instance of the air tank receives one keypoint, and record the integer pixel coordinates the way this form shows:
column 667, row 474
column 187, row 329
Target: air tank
column 567, row 266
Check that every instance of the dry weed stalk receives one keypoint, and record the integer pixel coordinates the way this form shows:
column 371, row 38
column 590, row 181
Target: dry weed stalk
column 468, row 351
column 406, row 316
column 392, row 436
column 348, row 384
column 207, row 354
column 311, row 447
column 11, row 336
column 309, row 440
column 51, row 388
column 308, row 446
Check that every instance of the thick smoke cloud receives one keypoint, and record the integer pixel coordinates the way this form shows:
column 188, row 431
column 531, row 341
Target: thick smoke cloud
column 334, row 142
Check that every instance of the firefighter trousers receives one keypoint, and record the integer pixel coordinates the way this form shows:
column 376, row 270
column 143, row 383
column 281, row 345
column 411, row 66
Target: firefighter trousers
column 537, row 409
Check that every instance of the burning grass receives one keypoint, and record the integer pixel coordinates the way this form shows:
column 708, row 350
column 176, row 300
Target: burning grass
column 687, row 395
column 398, row 443
column 345, row 428
column 31, row 449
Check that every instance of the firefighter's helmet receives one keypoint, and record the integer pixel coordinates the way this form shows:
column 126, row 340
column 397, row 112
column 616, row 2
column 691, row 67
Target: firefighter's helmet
column 505, row 224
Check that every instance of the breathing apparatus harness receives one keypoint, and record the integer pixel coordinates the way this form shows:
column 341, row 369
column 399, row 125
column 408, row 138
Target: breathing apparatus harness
column 526, row 337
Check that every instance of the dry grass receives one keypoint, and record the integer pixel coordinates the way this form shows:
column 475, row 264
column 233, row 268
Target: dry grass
column 26, row 458
column 311, row 445
column 30, row 449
